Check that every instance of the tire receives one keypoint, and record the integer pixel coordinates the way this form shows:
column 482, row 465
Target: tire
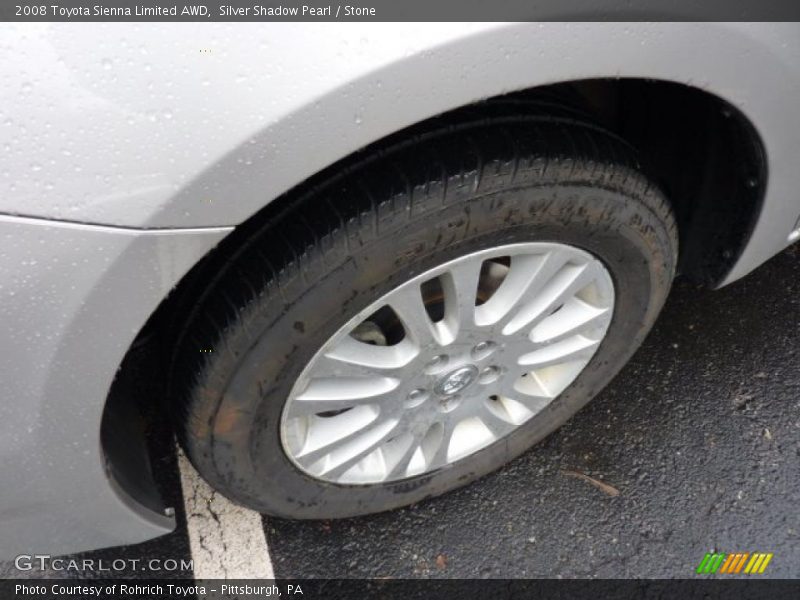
column 332, row 251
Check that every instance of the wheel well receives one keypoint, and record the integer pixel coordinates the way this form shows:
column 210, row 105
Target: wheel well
column 702, row 151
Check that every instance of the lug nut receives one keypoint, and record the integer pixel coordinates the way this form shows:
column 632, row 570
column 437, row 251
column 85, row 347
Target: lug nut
column 483, row 349
column 489, row 375
column 416, row 397
column 436, row 363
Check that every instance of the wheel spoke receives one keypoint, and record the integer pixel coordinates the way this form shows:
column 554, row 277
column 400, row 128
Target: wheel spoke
column 336, row 393
column 351, row 358
column 530, row 403
column 328, row 447
column 460, row 285
column 399, row 468
column 524, row 386
column 407, row 303
column 574, row 348
column 575, row 316
column 527, row 274
column 538, row 304
column 494, row 420
column 344, row 458
column 439, row 455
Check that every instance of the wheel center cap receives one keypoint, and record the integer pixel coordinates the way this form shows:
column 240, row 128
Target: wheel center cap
column 457, row 380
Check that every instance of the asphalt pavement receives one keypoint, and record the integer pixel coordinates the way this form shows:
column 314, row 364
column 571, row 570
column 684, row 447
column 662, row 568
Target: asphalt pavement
column 693, row 448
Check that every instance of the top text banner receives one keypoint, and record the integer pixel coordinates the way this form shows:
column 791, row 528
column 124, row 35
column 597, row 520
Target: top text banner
column 401, row 10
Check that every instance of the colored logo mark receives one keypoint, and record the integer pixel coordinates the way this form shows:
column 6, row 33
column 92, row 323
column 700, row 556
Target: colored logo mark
column 745, row 563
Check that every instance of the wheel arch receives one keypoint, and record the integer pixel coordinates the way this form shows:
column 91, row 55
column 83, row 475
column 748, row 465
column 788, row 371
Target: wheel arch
column 605, row 101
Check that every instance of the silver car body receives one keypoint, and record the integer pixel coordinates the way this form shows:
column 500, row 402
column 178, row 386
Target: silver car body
column 131, row 150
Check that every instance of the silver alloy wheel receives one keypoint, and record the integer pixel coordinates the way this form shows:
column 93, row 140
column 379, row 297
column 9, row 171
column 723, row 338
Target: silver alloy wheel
column 447, row 363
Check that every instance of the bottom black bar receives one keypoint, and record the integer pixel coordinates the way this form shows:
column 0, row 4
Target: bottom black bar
column 405, row 589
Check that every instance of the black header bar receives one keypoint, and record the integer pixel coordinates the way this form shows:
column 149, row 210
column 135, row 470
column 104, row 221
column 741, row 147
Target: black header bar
column 400, row 10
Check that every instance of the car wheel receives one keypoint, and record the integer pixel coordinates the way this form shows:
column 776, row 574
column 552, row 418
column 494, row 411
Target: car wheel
column 422, row 317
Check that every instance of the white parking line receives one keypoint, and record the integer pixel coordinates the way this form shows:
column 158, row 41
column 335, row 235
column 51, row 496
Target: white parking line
column 227, row 541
